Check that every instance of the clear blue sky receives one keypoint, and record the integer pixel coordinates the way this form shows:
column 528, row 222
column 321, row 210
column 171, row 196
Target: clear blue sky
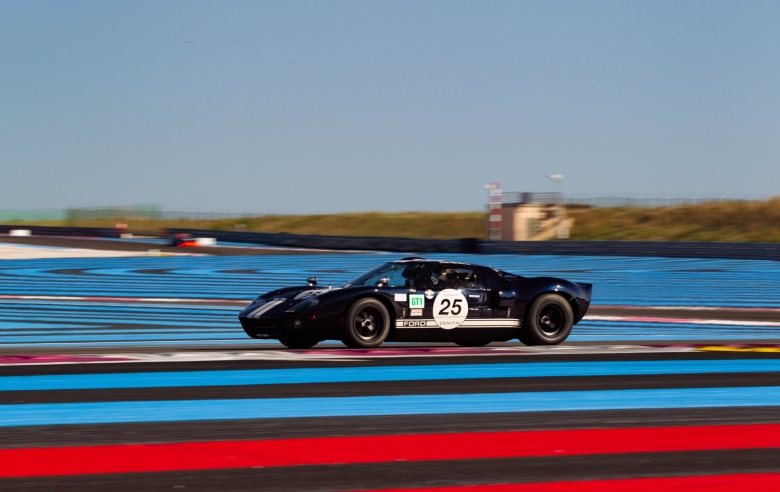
column 321, row 106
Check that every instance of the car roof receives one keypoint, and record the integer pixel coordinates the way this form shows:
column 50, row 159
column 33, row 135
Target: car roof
column 417, row 259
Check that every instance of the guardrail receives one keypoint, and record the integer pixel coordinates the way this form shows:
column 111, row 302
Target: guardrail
column 396, row 244
column 742, row 251
column 671, row 249
column 63, row 231
column 737, row 251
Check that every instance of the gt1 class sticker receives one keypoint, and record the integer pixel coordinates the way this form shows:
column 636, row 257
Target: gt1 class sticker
column 416, row 312
column 400, row 298
column 450, row 309
column 429, row 294
column 416, row 301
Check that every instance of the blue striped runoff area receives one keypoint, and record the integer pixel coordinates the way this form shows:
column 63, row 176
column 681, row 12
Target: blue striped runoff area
column 268, row 408
column 616, row 280
column 384, row 373
column 84, row 324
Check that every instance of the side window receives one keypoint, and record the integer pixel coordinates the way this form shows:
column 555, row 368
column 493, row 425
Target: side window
column 399, row 275
column 445, row 276
column 498, row 282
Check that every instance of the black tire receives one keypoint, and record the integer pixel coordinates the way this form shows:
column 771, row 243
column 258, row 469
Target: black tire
column 474, row 343
column 367, row 324
column 548, row 321
column 298, row 341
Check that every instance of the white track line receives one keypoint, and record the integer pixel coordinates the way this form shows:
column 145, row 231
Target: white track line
column 690, row 308
column 694, row 321
column 339, row 355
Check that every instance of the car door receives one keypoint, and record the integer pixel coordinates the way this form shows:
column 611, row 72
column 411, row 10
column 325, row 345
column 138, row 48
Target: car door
column 402, row 279
column 467, row 279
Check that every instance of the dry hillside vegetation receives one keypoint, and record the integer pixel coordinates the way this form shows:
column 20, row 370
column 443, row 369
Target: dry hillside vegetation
column 734, row 221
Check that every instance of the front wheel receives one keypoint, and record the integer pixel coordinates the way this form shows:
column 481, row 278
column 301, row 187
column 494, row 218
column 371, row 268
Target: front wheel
column 548, row 321
column 367, row 324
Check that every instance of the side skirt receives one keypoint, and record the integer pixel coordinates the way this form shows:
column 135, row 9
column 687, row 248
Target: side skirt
column 431, row 334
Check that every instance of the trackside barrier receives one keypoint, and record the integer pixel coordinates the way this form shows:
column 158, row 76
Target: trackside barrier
column 737, row 251
column 396, row 244
column 63, row 231
column 733, row 251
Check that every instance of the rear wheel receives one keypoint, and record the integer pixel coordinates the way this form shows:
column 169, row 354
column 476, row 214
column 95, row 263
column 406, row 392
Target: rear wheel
column 548, row 321
column 367, row 324
column 298, row 341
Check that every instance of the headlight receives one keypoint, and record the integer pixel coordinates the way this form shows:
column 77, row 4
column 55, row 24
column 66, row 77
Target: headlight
column 303, row 306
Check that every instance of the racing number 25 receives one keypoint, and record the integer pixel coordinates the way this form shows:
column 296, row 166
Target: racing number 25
column 456, row 307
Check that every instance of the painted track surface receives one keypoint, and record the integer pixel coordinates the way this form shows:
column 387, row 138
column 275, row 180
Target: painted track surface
column 233, row 413
column 632, row 281
column 70, row 325
column 605, row 421
column 43, row 324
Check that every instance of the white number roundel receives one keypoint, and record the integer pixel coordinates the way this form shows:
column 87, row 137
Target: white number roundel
column 450, row 309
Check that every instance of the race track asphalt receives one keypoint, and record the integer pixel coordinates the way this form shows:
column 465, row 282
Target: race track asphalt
column 133, row 374
column 693, row 434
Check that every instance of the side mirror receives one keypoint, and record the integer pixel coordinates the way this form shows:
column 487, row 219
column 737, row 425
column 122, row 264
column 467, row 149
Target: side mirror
column 312, row 281
column 382, row 281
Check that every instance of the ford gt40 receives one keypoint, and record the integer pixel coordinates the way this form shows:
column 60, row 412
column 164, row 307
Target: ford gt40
column 418, row 300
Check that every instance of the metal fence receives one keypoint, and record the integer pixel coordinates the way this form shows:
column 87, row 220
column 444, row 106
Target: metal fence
column 630, row 201
column 32, row 216
column 520, row 198
column 137, row 212
column 73, row 216
column 154, row 212
column 655, row 200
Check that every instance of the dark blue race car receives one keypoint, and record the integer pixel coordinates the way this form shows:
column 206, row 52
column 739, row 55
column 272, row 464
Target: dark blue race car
column 418, row 300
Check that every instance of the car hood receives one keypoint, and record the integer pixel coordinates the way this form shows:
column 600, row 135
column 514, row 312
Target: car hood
column 283, row 299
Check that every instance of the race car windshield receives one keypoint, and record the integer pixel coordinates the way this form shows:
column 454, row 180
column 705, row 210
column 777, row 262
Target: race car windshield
column 399, row 275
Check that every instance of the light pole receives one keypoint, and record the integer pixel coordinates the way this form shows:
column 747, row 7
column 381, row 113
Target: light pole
column 563, row 231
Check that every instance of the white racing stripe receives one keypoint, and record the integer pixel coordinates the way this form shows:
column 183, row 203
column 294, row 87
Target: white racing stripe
column 468, row 323
column 252, row 314
column 265, row 308
column 494, row 322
